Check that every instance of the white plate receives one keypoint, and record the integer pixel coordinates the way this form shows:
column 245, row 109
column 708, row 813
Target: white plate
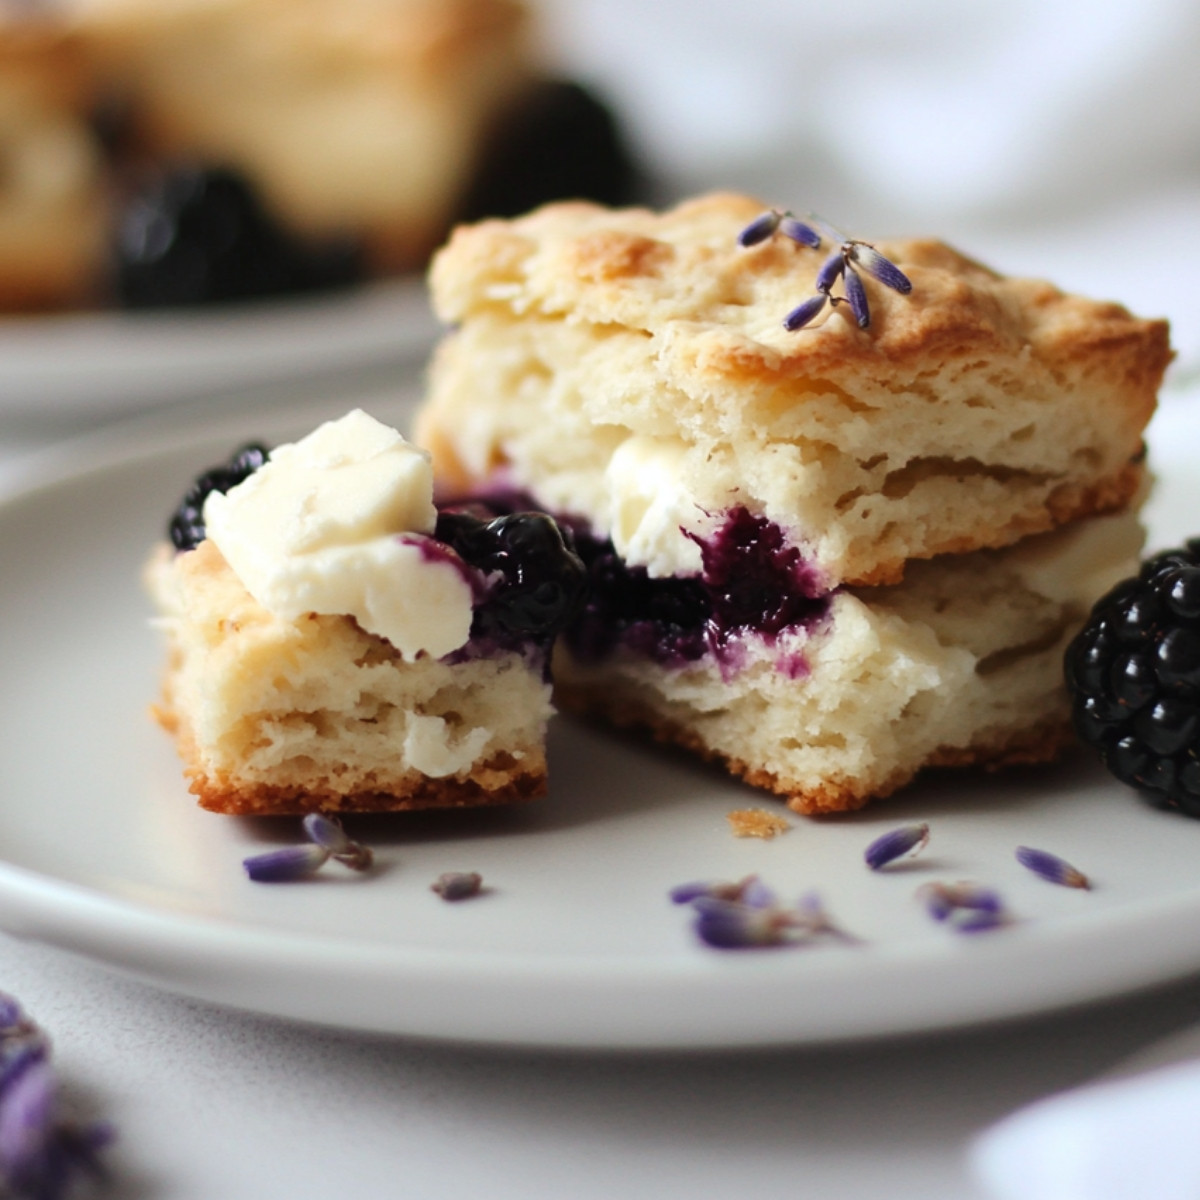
column 118, row 362
column 575, row 944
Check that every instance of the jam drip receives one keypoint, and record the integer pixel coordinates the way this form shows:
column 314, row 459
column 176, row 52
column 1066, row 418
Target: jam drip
column 752, row 582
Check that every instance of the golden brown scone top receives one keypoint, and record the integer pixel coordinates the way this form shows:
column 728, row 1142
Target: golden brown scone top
column 683, row 273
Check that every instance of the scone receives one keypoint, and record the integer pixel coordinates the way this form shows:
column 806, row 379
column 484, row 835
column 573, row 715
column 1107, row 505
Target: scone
column 207, row 151
column 807, row 546
column 335, row 644
column 361, row 116
column 52, row 198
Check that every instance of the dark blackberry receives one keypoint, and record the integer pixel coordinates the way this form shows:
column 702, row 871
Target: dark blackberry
column 186, row 529
column 197, row 236
column 535, row 579
column 558, row 142
column 1133, row 672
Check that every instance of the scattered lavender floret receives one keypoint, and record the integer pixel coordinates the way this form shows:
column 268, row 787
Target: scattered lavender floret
column 327, row 839
column 286, row 865
column 968, row 907
column 907, row 839
column 457, row 885
column 747, row 914
column 1052, row 868
column 42, row 1153
column 328, row 833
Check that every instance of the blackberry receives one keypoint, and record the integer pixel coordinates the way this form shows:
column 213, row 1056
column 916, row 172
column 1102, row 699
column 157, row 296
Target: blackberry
column 558, row 142
column 1133, row 673
column 536, row 580
column 198, row 236
column 186, row 528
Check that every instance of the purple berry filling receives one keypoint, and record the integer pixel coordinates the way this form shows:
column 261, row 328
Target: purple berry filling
column 751, row 582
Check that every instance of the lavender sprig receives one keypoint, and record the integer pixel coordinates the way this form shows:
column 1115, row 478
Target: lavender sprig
column 41, row 1152
column 1052, row 868
column 907, row 839
column 852, row 256
column 327, row 840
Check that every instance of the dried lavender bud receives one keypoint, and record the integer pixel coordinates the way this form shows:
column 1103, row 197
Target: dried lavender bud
column 981, row 921
column 805, row 235
column 457, row 885
column 941, row 900
column 878, row 267
column 856, row 296
column 41, row 1153
column 286, row 865
column 831, row 270
column 328, row 833
column 895, row 844
column 1051, row 868
column 802, row 314
column 750, row 890
column 760, row 229
column 729, row 925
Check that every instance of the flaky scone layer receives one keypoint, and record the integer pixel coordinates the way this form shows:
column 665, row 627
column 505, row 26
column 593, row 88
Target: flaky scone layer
column 273, row 716
column 959, row 664
column 971, row 413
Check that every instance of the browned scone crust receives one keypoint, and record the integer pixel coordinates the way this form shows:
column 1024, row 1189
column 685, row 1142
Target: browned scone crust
column 1023, row 746
column 273, row 717
column 973, row 412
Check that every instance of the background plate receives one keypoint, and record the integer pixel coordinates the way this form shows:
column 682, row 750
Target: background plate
column 88, row 364
column 575, row 943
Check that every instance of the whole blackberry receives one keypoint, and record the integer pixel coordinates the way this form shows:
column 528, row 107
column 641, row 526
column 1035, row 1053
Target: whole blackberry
column 1133, row 672
column 186, row 528
column 197, row 236
column 536, row 578
column 558, row 142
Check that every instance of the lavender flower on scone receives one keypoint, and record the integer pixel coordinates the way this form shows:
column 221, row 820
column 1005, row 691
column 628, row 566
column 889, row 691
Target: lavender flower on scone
column 846, row 262
column 327, row 840
column 1052, row 868
column 42, row 1153
column 907, row 839
column 747, row 915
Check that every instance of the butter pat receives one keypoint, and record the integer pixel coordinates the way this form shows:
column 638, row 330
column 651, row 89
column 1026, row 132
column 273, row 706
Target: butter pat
column 651, row 507
column 338, row 524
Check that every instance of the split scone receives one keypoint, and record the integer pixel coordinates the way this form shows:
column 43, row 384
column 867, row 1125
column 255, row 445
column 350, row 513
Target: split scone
column 810, row 549
column 335, row 644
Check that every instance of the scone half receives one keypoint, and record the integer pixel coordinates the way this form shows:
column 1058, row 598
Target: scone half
column 275, row 717
column 959, row 664
column 594, row 348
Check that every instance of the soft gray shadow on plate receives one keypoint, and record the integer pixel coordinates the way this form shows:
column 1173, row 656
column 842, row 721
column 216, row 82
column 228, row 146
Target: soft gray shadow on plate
column 596, row 775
